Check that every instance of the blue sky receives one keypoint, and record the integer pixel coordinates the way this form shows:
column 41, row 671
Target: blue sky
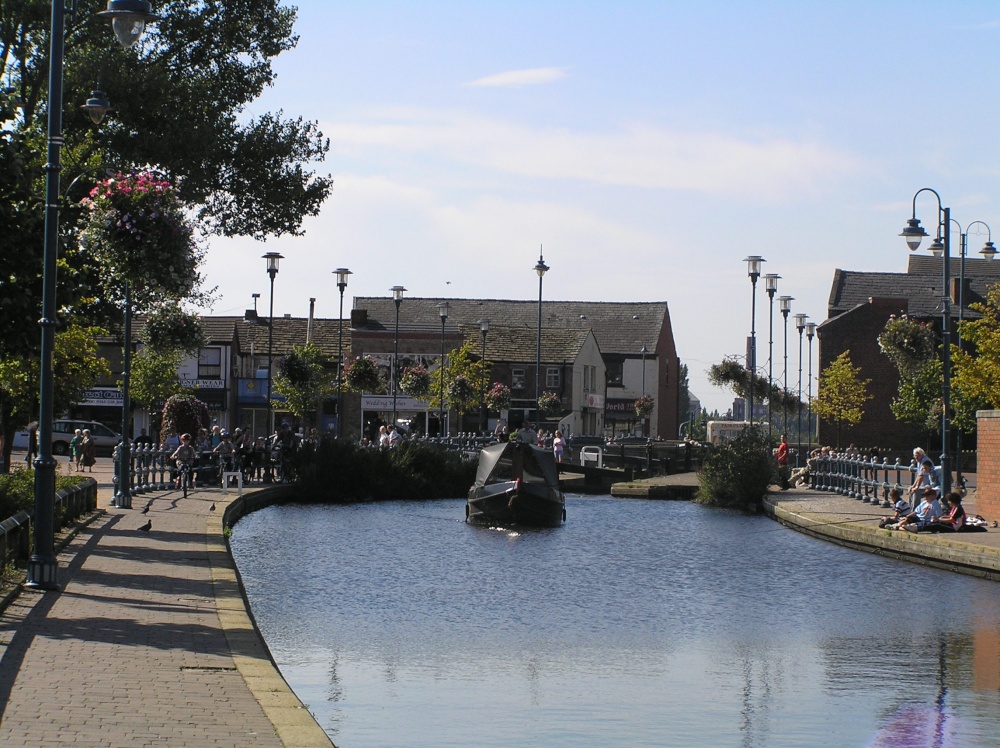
column 648, row 147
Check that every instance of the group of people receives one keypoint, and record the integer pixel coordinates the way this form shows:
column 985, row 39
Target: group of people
column 929, row 515
column 82, row 451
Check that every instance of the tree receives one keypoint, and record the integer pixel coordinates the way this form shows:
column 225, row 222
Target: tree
column 154, row 378
column 305, row 381
column 464, row 378
column 976, row 379
column 684, row 394
column 842, row 393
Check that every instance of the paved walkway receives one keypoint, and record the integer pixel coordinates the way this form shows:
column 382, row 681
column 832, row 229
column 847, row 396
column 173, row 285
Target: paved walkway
column 148, row 642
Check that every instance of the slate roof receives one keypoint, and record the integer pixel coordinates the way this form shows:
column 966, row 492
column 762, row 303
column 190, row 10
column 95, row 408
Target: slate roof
column 519, row 345
column 620, row 327
column 921, row 285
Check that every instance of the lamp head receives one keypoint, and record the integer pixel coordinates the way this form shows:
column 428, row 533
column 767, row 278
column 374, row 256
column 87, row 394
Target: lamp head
column 771, row 284
column 644, row 350
column 397, row 294
column 785, row 304
column 937, row 247
column 753, row 267
column 800, row 321
column 484, row 326
column 988, row 251
column 443, row 308
column 810, row 330
column 541, row 268
column 342, row 274
column 913, row 233
column 97, row 106
column 129, row 19
column 272, row 263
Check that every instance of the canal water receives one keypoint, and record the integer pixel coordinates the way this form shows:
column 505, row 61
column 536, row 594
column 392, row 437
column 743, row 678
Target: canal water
column 638, row 623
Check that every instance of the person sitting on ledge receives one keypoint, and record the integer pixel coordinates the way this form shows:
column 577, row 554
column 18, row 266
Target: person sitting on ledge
column 954, row 520
column 929, row 510
column 900, row 505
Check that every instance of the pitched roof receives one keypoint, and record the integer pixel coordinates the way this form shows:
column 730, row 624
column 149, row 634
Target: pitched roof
column 518, row 345
column 620, row 327
column 291, row 331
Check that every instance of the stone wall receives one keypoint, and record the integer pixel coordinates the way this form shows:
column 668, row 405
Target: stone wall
column 988, row 470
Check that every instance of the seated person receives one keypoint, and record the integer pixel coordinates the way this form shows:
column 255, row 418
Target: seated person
column 901, row 508
column 953, row 520
column 929, row 510
column 184, row 455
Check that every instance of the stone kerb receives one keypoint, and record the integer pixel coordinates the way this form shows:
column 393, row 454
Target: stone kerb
column 988, row 463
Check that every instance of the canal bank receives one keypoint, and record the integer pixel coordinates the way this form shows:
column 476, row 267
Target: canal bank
column 852, row 523
column 149, row 641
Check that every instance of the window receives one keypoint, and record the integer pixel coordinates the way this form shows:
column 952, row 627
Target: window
column 210, row 363
column 614, row 373
column 517, row 379
column 552, row 377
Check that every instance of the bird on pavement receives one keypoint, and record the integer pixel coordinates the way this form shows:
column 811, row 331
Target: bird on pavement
column 145, row 509
column 212, row 508
column 146, row 527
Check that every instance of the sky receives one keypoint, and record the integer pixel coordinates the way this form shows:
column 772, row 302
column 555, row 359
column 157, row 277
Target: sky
column 645, row 148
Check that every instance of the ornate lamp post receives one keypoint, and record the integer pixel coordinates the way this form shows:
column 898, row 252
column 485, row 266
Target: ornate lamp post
column 397, row 298
column 443, row 309
column 771, row 285
column 541, row 268
column 42, row 567
column 341, row 274
column 753, row 270
column 785, row 306
column 810, row 332
column 272, row 270
column 913, row 234
column 800, row 325
column 484, row 328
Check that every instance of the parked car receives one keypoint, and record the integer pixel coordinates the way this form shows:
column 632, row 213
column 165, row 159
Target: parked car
column 62, row 431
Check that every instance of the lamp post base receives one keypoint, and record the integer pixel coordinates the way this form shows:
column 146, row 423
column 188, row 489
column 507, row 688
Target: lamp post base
column 43, row 574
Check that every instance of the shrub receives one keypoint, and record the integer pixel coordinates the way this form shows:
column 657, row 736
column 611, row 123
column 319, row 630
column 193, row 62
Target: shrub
column 738, row 474
column 184, row 414
column 17, row 491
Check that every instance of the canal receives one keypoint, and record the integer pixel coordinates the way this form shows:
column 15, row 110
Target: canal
column 638, row 623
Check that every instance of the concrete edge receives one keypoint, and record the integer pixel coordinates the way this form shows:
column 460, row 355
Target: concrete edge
column 294, row 724
column 939, row 551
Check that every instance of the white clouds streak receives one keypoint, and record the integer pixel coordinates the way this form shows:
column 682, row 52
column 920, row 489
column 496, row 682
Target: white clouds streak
column 644, row 156
column 519, row 78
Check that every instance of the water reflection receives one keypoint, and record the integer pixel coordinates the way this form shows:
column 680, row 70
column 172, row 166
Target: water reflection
column 637, row 623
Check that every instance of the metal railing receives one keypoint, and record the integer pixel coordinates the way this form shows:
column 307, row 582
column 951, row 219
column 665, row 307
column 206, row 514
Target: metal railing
column 867, row 479
column 15, row 532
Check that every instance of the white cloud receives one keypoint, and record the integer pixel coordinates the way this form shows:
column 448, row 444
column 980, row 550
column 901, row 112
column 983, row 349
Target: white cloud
column 520, row 78
column 637, row 155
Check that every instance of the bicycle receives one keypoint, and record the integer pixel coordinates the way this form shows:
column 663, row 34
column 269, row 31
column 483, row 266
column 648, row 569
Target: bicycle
column 184, row 476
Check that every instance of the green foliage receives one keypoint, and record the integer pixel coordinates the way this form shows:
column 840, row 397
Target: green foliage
column 340, row 471
column 304, row 380
column 170, row 328
column 363, row 375
column 976, row 380
column 17, row 491
column 731, row 373
column 462, row 393
column 465, row 376
column 184, row 414
column 550, row 404
column 737, row 474
column 498, row 397
column 842, row 393
column 643, row 406
column 416, row 382
column 154, row 376
column 908, row 343
column 918, row 400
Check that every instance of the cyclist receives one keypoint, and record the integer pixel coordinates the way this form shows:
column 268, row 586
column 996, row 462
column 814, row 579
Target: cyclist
column 184, row 457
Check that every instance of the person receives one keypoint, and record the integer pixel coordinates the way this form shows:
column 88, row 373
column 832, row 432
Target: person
column 527, row 434
column 32, row 443
column 75, row 454
column 143, row 439
column 929, row 510
column 920, row 457
column 782, row 456
column 226, row 451
column 216, row 436
column 88, row 450
column 203, row 442
column 558, row 446
column 500, row 432
column 383, row 436
column 394, row 438
column 900, row 506
column 923, row 480
column 184, row 455
column 954, row 520
column 172, row 441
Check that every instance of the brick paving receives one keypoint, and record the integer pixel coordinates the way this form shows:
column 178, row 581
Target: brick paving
column 146, row 644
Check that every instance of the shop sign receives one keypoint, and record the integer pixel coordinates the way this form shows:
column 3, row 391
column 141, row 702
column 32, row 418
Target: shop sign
column 204, row 384
column 108, row 397
column 384, row 402
column 619, row 405
column 594, row 401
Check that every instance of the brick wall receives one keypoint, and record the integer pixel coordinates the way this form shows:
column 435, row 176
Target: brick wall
column 857, row 331
column 988, row 470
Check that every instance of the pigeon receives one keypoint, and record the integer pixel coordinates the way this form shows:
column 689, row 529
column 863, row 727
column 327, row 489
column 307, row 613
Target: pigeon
column 212, row 508
column 146, row 527
column 145, row 509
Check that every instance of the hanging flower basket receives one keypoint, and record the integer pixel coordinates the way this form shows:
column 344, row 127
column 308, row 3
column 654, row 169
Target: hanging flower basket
column 170, row 328
column 362, row 375
column 908, row 343
column 138, row 231
column 498, row 397
column 550, row 404
column 461, row 393
column 416, row 382
column 644, row 406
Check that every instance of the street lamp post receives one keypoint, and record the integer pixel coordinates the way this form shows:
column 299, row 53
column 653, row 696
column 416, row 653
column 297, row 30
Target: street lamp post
column 771, row 285
column 644, row 351
column 123, row 499
column 341, row 274
column 443, row 309
column 43, row 569
column 272, row 270
column 541, row 268
column 753, row 270
column 785, row 305
column 800, row 325
column 484, row 328
column 397, row 298
column 913, row 234
column 810, row 332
